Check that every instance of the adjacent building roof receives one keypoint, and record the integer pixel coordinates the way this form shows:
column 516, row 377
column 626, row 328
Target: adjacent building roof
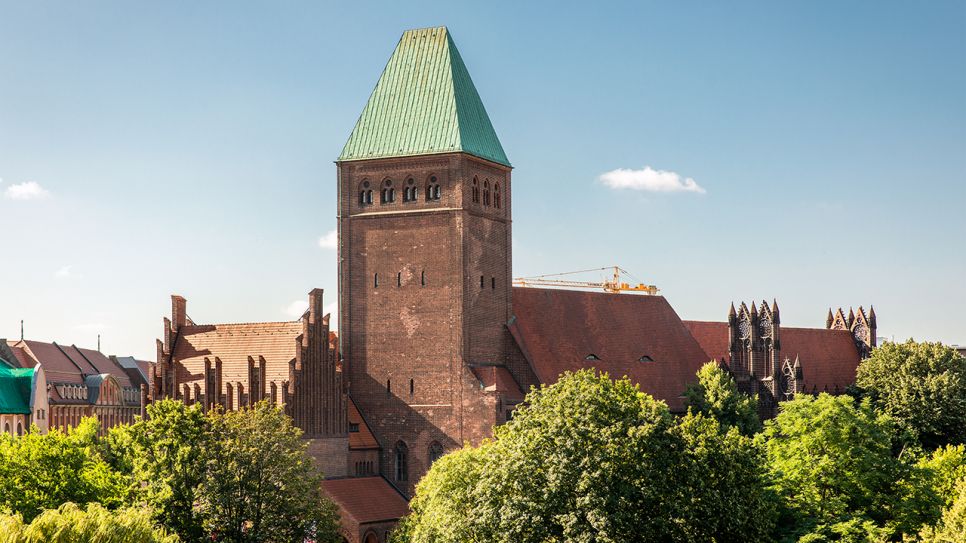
column 829, row 358
column 15, row 387
column 138, row 371
column 66, row 363
column 366, row 499
column 424, row 103
column 363, row 438
column 498, row 379
column 623, row 334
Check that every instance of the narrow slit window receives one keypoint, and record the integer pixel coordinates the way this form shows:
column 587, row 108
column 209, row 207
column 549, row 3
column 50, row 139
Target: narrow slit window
column 493, row 282
column 375, row 280
column 422, row 278
column 482, row 279
column 412, row 387
column 399, row 279
column 388, row 387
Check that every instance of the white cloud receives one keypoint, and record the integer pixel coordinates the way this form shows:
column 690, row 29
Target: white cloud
column 28, row 190
column 296, row 308
column 650, row 180
column 65, row 272
column 330, row 240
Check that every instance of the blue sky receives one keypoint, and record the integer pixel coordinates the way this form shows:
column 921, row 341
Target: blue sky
column 187, row 147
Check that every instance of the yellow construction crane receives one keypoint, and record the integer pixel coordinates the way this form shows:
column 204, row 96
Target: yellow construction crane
column 615, row 285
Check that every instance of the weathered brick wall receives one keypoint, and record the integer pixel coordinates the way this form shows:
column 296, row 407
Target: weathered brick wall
column 332, row 455
column 413, row 315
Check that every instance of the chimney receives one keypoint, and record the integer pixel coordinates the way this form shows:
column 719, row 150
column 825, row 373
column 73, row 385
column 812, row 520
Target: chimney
column 315, row 305
column 179, row 307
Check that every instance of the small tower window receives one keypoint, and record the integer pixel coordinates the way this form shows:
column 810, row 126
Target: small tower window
column 412, row 387
column 399, row 279
column 497, row 201
column 409, row 192
column 492, row 282
column 388, row 387
column 365, row 194
column 482, row 279
column 422, row 278
column 486, row 193
column 388, row 194
column 476, row 191
column 433, row 191
column 375, row 280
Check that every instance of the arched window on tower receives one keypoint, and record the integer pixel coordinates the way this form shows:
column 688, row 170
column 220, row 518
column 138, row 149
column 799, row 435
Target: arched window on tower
column 497, row 200
column 402, row 461
column 476, row 191
column 388, row 194
column 486, row 192
column 435, row 452
column 365, row 194
column 409, row 191
column 433, row 191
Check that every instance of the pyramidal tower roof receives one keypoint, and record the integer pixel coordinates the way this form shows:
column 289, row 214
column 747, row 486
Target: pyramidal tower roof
column 424, row 103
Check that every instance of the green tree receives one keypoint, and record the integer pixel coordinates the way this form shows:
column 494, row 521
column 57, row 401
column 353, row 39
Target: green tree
column 590, row 459
column 922, row 386
column 259, row 483
column 42, row 471
column 716, row 395
column 71, row 524
column 831, row 462
column 952, row 525
column 166, row 456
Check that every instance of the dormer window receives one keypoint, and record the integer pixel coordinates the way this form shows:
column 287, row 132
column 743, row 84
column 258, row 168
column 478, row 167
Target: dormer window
column 592, row 356
column 645, row 358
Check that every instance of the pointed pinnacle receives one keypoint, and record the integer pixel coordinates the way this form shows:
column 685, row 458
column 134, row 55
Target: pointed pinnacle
column 774, row 305
column 830, row 319
column 753, row 310
column 732, row 312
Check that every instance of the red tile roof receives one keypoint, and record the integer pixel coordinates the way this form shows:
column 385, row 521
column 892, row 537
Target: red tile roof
column 363, row 439
column 829, row 358
column 558, row 329
column 366, row 499
column 65, row 363
column 233, row 344
column 498, row 379
column 713, row 338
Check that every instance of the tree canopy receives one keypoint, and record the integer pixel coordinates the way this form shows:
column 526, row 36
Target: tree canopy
column 716, row 394
column 920, row 385
column 71, row 524
column 593, row 459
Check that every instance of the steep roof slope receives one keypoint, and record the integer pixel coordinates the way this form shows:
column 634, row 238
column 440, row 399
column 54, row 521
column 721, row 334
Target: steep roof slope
column 623, row 334
column 15, row 385
column 366, row 499
column 424, row 103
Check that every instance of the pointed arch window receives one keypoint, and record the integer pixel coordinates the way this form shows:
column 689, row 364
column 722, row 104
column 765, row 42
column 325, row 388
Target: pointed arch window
column 497, row 199
column 433, row 191
column 365, row 194
column 409, row 191
column 476, row 191
column 402, row 461
column 486, row 192
column 388, row 194
column 435, row 452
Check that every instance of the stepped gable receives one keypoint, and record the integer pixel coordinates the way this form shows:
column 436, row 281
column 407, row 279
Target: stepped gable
column 623, row 334
column 233, row 344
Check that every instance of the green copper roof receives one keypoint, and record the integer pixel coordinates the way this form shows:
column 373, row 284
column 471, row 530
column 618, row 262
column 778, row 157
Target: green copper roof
column 424, row 103
column 15, row 385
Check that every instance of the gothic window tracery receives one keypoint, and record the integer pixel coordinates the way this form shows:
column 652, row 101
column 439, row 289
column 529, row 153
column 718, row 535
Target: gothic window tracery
column 433, row 191
column 402, row 461
column 409, row 191
column 388, row 194
column 497, row 200
column 365, row 194
column 486, row 192
column 476, row 191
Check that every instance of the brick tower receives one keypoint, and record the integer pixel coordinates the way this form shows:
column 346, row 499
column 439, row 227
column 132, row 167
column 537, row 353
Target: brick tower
column 424, row 256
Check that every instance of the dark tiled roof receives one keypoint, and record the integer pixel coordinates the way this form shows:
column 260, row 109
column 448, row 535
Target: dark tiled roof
column 713, row 338
column 363, row 439
column 366, row 499
column 558, row 330
column 829, row 358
